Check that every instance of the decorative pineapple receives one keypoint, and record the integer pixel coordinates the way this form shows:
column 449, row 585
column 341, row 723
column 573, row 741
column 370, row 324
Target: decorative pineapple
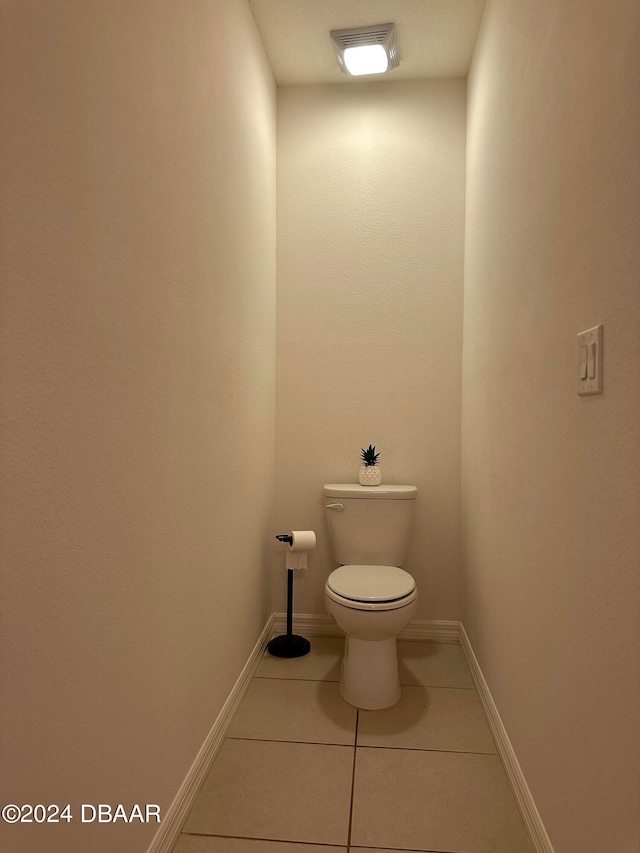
column 369, row 474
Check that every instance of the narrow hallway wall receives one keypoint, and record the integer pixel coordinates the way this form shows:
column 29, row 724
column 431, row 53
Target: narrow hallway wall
column 370, row 263
column 138, row 379
column 551, row 499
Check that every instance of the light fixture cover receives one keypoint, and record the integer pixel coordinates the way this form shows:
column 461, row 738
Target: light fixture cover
column 383, row 35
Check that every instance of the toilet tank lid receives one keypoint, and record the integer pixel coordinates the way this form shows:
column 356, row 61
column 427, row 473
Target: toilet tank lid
column 355, row 490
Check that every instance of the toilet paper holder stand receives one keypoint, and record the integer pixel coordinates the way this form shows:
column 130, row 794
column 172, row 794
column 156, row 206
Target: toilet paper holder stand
column 288, row 645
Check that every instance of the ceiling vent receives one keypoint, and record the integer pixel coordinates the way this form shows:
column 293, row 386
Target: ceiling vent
column 366, row 50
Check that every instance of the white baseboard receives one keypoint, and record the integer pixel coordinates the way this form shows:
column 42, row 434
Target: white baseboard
column 316, row 625
column 177, row 812
column 307, row 623
column 538, row 837
column 432, row 630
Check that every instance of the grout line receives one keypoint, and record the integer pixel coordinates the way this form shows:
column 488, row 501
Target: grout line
column 317, row 680
column 425, row 749
column 353, row 780
column 255, row 838
column 306, row 843
column 337, row 681
column 281, row 740
column 360, row 745
column 436, row 687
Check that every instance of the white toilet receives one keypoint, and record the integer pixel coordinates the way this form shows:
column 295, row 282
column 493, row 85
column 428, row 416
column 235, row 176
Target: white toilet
column 370, row 597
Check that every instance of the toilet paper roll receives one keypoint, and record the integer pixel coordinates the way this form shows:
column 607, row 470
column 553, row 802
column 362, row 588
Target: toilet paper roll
column 302, row 540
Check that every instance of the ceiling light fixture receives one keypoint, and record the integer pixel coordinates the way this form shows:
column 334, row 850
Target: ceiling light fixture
column 366, row 50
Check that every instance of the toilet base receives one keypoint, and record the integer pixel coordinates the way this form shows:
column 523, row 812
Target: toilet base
column 369, row 677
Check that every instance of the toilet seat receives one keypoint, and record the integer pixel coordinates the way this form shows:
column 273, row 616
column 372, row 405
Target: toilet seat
column 362, row 587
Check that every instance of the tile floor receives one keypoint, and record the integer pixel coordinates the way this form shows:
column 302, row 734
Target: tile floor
column 301, row 771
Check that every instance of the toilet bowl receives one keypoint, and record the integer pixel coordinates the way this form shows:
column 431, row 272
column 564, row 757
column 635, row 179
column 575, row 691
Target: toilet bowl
column 371, row 604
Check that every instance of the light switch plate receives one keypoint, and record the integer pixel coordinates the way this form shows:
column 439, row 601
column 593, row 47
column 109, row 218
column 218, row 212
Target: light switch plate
column 591, row 337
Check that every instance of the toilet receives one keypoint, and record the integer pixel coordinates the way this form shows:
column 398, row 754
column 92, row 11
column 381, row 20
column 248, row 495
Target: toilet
column 370, row 596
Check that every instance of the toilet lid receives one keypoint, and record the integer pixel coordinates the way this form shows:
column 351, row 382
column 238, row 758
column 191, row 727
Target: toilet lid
column 371, row 583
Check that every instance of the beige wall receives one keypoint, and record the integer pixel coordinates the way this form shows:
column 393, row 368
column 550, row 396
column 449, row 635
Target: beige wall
column 550, row 480
column 370, row 264
column 138, row 329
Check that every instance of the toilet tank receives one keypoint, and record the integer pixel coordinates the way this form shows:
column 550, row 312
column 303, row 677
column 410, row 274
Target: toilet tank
column 369, row 525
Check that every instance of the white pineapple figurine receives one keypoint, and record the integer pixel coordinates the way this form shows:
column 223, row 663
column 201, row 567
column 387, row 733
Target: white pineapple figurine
column 370, row 473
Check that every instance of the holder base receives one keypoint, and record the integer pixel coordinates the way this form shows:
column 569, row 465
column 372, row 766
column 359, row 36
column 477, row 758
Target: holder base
column 288, row 646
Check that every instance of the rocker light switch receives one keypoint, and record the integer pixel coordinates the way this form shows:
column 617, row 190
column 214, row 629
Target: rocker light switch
column 583, row 363
column 590, row 361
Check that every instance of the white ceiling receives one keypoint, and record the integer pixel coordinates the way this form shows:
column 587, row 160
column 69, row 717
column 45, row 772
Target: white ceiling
column 436, row 37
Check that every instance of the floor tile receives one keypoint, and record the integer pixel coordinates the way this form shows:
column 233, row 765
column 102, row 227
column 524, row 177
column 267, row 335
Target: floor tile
column 321, row 664
column 429, row 718
column 444, row 801
column 303, row 711
column 433, row 664
column 204, row 844
column 277, row 791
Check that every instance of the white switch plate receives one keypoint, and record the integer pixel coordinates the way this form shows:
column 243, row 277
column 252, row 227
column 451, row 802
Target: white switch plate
column 591, row 336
